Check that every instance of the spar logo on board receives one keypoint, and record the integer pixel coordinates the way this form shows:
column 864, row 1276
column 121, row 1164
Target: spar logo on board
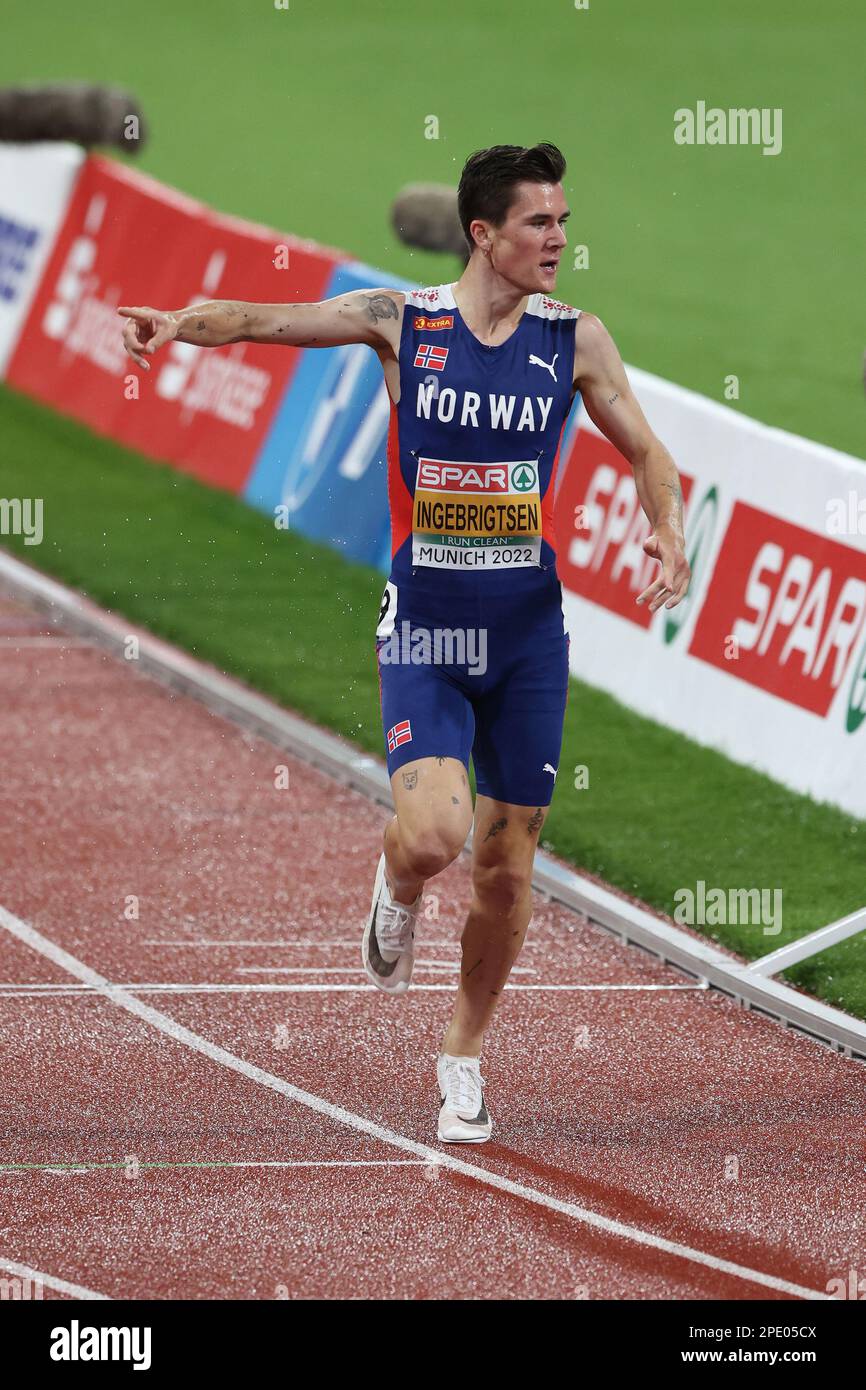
column 701, row 517
column 602, row 527
column 786, row 612
column 856, row 711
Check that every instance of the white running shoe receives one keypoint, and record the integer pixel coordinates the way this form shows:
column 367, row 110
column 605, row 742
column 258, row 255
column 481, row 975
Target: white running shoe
column 387, row 949
column 463, row 1117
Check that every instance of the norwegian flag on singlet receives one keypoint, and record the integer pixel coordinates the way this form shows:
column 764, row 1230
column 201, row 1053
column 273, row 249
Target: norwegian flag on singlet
column 430, row 356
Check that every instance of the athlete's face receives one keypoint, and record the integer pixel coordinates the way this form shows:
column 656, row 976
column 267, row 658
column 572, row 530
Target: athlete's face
column 527, row 248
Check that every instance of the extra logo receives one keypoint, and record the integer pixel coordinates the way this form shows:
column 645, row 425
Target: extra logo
column 427, row 325
column 429, row 357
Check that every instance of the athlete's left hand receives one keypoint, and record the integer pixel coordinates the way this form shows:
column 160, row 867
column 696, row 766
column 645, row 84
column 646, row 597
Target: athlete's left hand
column 666, row 544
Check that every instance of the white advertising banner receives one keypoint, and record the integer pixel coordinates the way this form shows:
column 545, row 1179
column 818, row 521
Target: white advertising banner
column 766, row 658
column 36, row 183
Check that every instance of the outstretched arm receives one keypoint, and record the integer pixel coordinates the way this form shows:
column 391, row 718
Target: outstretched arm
column 361, row 316
column 612, row 406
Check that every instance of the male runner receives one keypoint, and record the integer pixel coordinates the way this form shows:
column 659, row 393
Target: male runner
column 471, row 641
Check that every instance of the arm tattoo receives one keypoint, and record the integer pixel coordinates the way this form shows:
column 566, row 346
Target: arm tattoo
column 380, row 306
column 674, row 489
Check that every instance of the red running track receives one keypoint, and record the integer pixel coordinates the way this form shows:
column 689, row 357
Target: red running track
column 208, row 1101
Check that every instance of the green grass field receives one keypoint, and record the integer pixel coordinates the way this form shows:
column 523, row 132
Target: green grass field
column 704, row 261
column 296, row 621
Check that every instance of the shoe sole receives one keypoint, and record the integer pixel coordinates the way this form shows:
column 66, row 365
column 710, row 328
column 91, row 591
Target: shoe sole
column 475, row 1139
column 402, row 985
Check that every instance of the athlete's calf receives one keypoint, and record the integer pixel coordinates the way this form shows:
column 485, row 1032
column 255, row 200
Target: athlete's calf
column 503, row 850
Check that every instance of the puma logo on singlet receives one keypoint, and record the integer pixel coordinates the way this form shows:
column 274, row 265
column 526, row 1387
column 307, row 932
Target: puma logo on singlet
column 548, row 366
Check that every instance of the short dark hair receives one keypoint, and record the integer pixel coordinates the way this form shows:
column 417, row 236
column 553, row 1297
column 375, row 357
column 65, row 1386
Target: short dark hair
column 487, row 182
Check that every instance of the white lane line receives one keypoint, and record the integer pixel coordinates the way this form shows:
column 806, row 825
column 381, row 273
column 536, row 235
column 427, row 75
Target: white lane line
column 167, row 1025
column 63, row 1168
column 50, row 1282
column 50, row 984
column 59, row 642
column 355, row 944
column 334, row 987
column 451, row 966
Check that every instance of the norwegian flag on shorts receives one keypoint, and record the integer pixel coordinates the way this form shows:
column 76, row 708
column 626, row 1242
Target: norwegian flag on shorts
column 401, row 733
column 430, row 356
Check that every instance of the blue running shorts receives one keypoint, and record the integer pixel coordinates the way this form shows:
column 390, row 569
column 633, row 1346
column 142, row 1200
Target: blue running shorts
column 494, row 686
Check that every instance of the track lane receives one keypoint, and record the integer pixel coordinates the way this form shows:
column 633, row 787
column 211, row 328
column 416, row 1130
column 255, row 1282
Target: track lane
column 629, row 1103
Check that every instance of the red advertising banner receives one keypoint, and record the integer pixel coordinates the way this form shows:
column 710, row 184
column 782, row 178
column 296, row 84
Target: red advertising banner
column 784, row 610
column 601, row 527
column 128, row 239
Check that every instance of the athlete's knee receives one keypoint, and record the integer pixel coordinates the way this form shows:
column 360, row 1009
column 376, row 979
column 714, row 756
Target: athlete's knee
column 427, row 852
column 501, row 887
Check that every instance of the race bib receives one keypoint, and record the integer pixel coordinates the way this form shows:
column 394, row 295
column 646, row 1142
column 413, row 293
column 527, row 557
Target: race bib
column 476, row 515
